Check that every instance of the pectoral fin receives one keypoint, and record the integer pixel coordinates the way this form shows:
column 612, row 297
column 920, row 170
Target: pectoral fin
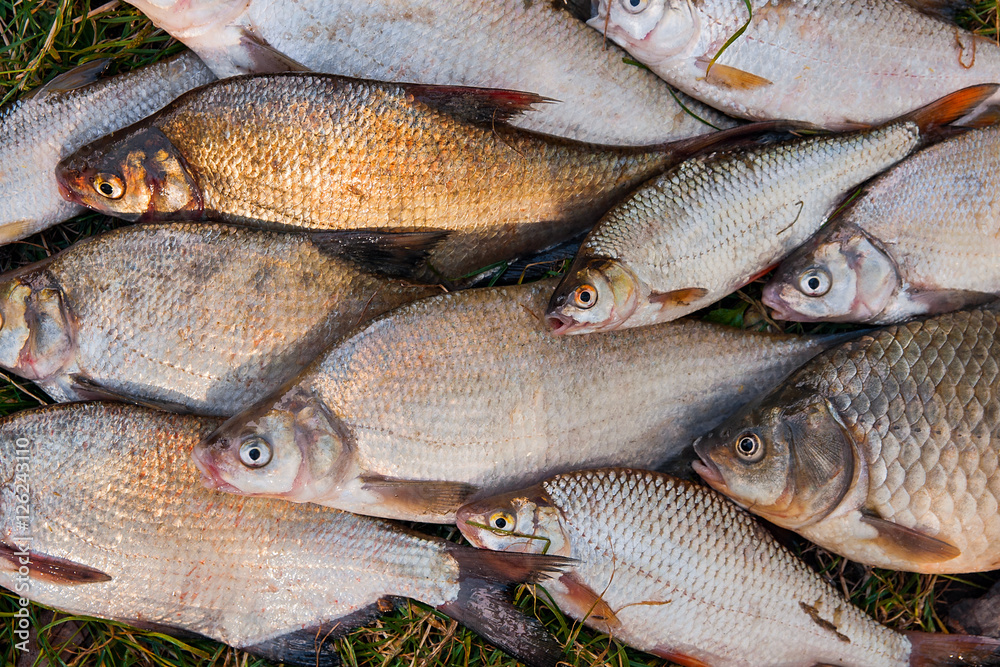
column 78, row 77
column 584, row 603
column 476, row 105
column 392, row 253
column 678, row 658
column 731, row 77
column 429, row 499
column 264, row 58
column 909, row 544
column 51, row 569
column 91, row 390
column 680, row 297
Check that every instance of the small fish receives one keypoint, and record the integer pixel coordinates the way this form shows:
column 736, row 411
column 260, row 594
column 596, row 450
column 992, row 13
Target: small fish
column 117, row 526
column 922, row 239
column 884, row 449
column 204, row 318
column 673, row 569
column 71, row 110
column 314, row 151
column 831, row 64
column 467, row 394
column 535, row 46
column 718, row 221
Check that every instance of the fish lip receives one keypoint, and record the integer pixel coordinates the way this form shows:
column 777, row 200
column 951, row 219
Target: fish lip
column 65, row 175
column 462, row 517
column 779, row 310
column 560, row 324
column 210, row 477
column 707, row 469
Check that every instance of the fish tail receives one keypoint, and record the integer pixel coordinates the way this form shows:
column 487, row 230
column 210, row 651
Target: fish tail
column 937, row 649
column 952, row 107
column 484, row 604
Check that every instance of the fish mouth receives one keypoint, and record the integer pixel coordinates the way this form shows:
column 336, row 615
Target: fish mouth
column 210, row 477
column 465, row 514
column 65, row 176
column 707, row 470
column 560, row 324
column 779, row 309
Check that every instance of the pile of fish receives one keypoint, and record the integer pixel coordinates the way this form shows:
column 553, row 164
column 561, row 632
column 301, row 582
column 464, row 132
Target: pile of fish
column 300, row 344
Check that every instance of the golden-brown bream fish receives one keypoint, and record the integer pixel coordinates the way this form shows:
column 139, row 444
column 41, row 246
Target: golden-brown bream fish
column 102, row 514
column 207, row 318
column 885, row 449
column 326, row 152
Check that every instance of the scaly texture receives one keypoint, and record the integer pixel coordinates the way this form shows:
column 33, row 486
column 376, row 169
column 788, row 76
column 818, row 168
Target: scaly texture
column 530, row 46
column 35, row 133
column 811, row 60
column 209, row 317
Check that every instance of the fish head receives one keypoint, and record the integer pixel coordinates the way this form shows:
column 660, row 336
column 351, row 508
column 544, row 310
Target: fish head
column 130, row 174
column 842, row 276
column 523, row 521
column 789, row 463
column 36, row 329
column 653, row 30
column 599, row 296
column 286, row 447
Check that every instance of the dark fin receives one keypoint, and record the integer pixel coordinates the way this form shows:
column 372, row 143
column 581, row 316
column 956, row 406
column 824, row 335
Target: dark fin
column 89, row 390
column 937, row 649
column 946, row 10
column 582, row 10
column 78, row 77
column 582, row 602
column 735, row 137
column 483, row 603
column 985, row 117
column 424, row 498
column 264, row 58
column 678, row 297
column 476, row 105
column 678, row 658
column 951, row 107
column 731, row 77
column 946, row 301
column 391, row 253
column 977, row 616
column 909, row 544
column 52, row 569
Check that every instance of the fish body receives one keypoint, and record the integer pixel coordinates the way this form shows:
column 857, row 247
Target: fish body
column 468, row 394
column 532, row 46
column 809, row 60
column 198, row 317
column 884, row 449
column 325, row 152
column 38, row 131
column 710, row 225
column 119, row 527
column 672, row 568
column 922, row 239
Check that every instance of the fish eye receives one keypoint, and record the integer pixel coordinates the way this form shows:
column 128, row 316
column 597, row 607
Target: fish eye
column 814, row 282
column 584, row 296
column 749, row 447
column 502, row 521
column 109, row 185
column 634, row 6
column 255, row 452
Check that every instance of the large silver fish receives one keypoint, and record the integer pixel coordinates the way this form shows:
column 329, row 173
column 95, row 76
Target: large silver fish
column 70, row 111
column 196, row 317
column 101, row 513
column 532, row 46
column 885, row 450
column 922, row 239
column 833, row 64
column 468, row 394
column 673, row 569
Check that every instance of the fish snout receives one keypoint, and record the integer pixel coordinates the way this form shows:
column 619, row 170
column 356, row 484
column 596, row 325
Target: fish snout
column 772, row 299
column 464, row 518
column 706, row 468
column 69, row 182
column 559, row 323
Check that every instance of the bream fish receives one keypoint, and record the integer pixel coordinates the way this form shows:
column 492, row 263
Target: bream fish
column 101, row 514
column 832, row 64
column 715, row 222
column 467, row 394
column 71, row 110
column 195, row 317
column 884, row 449
column 672, row 568
column 922, row 239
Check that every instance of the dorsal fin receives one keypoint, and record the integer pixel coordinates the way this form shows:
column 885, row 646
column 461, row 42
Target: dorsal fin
column 476, row 105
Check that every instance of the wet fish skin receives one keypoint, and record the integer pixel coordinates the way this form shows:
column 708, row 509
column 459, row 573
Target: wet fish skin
column 325, row 152
column 38, row 131
column 245, row 571
column 805, row 60
column 207, row 318
column 532, row 46
column 467, row 394
column 707, row 227
column 671, row 568
column 921, row 240
column 884, row 449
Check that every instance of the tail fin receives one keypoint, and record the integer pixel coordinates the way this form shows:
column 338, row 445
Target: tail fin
column 952, row 107
column 483, row 603
column 938, row 650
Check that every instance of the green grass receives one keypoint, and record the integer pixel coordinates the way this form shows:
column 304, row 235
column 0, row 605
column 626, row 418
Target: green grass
column 39, row 39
